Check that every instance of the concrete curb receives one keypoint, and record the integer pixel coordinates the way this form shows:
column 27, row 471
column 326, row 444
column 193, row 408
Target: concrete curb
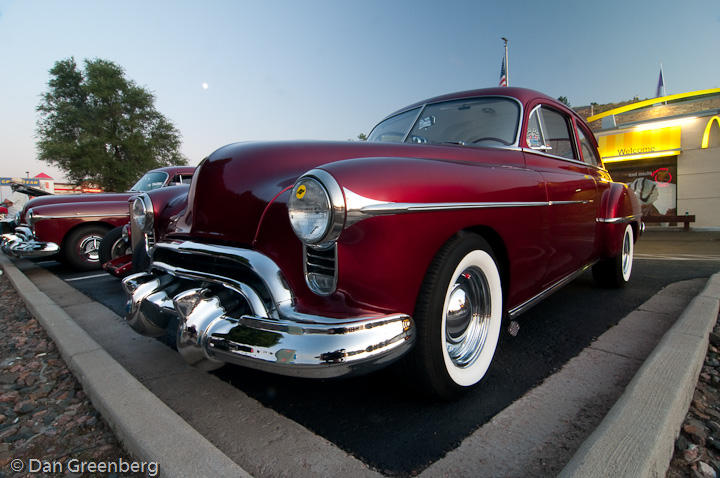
column 636, row 438
column 148, row 428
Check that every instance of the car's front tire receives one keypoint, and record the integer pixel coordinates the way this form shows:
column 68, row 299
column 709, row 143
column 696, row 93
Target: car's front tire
column 615, row 271
column 113, row 245
column 82, row 247
column 458, row 317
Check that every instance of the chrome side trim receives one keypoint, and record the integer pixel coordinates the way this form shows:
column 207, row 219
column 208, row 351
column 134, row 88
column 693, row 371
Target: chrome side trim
column 360, row 207
column 38, row 217
column 515, row 311
column 616, row 220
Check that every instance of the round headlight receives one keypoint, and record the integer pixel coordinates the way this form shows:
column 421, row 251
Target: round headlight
column 139, row 213
column 310, row 210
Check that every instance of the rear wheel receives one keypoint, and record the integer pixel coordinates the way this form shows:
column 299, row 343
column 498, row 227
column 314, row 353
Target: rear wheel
column 458, row 316
column 113, row 245
column 615, row 271
column 82, row 247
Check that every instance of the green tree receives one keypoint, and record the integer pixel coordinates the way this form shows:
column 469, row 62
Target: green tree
column 564, row 100
column 362, row 137
column 96, row 125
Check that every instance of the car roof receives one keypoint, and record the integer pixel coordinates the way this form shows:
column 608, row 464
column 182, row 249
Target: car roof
column 173, row 169
column 524, row 95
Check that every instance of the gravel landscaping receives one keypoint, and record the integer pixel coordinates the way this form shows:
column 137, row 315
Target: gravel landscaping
column 47, row 424
column 697, row 448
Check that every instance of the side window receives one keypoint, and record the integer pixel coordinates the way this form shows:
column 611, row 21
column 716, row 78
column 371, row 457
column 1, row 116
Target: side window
column 589, row 153
column 534, row 132
column 186, row 179
column 556, row 129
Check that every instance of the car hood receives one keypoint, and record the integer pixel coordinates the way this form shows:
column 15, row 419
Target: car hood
column 233, row 187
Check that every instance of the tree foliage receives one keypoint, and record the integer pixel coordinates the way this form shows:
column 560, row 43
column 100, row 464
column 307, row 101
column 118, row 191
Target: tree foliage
column 96, row 125
column 564, row 100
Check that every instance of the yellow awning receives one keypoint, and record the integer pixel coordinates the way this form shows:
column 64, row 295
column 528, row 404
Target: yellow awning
column 651, row 143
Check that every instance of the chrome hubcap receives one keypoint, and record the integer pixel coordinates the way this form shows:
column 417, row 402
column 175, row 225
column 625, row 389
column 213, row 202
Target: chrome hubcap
column 90, row 248
column 467, row 317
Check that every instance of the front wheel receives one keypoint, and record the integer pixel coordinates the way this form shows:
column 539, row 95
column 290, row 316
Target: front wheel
column 458, row 316
column 615, row 271
column 82, row 247
column 113, row 245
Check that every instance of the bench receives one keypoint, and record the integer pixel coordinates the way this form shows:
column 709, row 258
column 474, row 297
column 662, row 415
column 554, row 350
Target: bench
column 686, row 219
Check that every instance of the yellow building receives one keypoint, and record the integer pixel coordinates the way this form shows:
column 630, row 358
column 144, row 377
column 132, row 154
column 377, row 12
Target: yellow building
column 668, row 150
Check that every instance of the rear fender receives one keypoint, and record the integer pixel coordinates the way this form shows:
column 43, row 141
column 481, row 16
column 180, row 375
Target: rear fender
column 618, row 207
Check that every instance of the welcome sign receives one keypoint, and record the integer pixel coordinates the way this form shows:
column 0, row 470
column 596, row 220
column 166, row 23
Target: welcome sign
column 640, row 144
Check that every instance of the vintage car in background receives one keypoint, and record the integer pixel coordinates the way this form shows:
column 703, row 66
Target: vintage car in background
column 119, row 254
column 20, row 187
column 323, row 259
column 72, row 225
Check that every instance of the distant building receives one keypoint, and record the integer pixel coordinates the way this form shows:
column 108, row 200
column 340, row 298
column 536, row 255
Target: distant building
column 667, row 149
column 47, row 183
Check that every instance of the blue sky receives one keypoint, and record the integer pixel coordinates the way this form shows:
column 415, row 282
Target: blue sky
column 311, row 69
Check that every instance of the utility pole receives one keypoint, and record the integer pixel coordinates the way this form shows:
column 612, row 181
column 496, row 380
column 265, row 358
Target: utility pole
column 507, row 62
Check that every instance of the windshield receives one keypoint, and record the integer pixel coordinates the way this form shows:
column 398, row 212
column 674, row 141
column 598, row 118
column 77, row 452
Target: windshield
column 490, row 121
column 151, row 180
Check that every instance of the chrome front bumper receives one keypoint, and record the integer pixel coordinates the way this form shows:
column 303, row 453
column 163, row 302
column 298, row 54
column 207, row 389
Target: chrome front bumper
column 252, row 320
column 22, row 243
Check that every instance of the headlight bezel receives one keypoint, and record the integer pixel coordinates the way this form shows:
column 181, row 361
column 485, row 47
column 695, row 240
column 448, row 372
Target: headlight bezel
column 334, row 199
column 142, row 214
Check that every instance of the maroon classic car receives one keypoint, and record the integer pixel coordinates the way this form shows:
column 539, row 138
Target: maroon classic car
column 330, row 258
column 73, row 225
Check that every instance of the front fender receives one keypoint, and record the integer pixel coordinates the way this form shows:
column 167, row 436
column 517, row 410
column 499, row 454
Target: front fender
column 382, row 259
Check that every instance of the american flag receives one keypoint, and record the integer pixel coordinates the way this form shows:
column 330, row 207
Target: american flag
column 503, row 77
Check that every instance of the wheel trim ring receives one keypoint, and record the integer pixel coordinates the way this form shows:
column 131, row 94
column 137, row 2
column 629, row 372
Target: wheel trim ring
column 627, row 253
column 472, row 374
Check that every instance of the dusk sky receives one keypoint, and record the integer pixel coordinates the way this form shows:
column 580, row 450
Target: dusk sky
column 278, row 70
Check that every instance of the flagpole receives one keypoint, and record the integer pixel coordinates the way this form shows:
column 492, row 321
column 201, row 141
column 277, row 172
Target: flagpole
column 507, row 63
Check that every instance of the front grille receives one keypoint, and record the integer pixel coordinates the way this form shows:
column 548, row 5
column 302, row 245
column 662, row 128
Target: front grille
column 321, row 269
column 215, row 265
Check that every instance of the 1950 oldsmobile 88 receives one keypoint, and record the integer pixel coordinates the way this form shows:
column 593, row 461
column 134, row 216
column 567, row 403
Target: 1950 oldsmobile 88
column 458, row 213
column 72, row 225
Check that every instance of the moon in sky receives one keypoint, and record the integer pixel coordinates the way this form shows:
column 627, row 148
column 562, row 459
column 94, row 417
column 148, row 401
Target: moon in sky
column 205, row 86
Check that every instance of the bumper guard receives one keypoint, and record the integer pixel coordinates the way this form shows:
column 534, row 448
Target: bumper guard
column 220, row 319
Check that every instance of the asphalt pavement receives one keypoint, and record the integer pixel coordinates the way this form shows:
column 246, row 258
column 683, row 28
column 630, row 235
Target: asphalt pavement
column 266, row 443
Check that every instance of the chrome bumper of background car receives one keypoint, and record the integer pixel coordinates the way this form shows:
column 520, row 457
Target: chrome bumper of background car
column 221, row 319
column 22, row 243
